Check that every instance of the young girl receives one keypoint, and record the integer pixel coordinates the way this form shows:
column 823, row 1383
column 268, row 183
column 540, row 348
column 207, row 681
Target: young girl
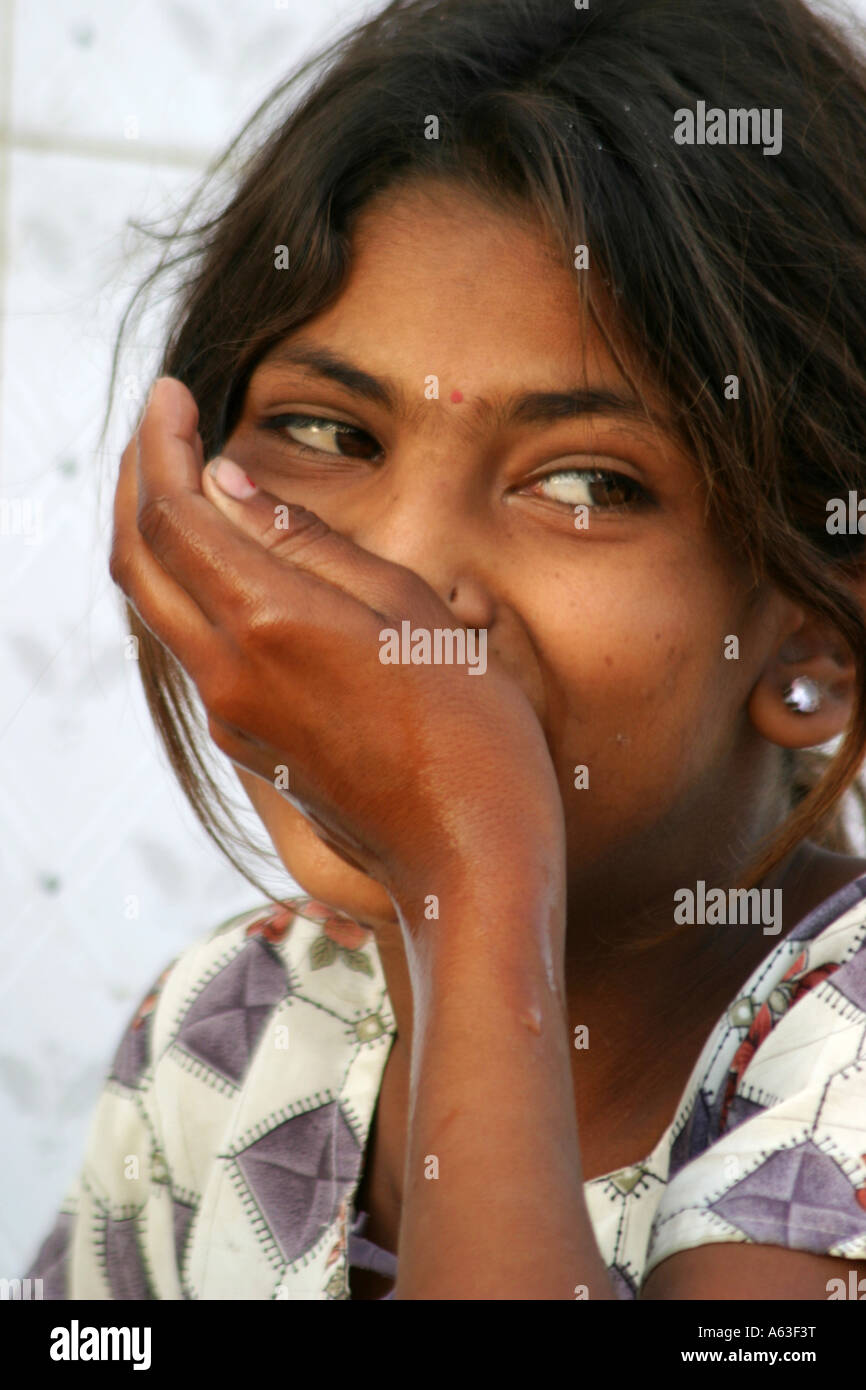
column 514, row 602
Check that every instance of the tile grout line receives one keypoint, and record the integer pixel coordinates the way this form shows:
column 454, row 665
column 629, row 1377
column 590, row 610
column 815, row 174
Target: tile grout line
column 6, row 41
column 92, row 147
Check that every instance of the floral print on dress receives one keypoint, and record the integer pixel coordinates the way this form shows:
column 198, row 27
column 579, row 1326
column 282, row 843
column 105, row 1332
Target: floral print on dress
column 258, row 1151
column 148, row 1003
column 274, row 925
column 341, row 938
column 789, row 989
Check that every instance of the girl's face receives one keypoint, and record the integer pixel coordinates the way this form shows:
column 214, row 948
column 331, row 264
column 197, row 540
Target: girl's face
column 480, row 420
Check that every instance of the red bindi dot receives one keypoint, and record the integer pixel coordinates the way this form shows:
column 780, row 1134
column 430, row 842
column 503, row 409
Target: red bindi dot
column 456, row 396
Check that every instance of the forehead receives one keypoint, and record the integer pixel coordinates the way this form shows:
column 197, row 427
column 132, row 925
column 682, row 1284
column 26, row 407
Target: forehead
column 446, row 242
column 444, row 282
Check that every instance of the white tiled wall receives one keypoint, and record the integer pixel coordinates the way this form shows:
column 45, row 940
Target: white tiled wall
column 107, row 111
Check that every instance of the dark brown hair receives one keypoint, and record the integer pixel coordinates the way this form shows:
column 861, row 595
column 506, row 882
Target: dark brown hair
column 706, row 261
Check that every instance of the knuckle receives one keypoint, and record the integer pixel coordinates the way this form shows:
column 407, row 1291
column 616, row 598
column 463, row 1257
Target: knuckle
column 255, row 626
column 226, row 697
column 156, row 517
column 261, row 623
column 305, row 529
column 313, row 527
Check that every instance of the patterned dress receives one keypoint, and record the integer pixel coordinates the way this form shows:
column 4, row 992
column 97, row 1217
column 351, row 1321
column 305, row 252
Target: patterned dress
column 228, row 1143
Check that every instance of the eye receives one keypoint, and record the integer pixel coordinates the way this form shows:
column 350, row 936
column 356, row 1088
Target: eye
column 315, row 430
column 598, row 488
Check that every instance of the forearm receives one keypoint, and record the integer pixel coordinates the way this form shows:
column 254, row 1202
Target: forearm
column 493, row 1203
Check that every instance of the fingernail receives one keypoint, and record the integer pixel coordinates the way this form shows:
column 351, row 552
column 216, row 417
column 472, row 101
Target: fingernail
column 232, row 479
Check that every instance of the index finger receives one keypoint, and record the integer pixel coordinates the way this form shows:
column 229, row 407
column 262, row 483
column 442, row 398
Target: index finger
column 218, row 567
column 171, row 614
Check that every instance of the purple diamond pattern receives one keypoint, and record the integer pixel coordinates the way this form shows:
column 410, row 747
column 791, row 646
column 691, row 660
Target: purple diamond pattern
column 299, row 1173
column 827, row 911
column 131, row 1056
column 366, row 1254
column 130, row 1059
column 623, row 1286
column 181, row 1219
column 741, row 1110
column 798, row 1198
column 697, row 1133
column 50, row 1263
column 850, row 979
column 225, row 1022
column 123, row 1263
column 293, row 1182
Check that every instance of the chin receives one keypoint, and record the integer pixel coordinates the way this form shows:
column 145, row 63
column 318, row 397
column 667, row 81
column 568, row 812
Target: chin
column 327, row 878
column 317, row 869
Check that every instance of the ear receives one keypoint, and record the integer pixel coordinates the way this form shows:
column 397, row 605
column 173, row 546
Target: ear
column 811, row 648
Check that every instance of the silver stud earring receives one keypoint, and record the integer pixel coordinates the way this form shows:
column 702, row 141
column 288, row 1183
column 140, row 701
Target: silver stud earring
column 803, row 695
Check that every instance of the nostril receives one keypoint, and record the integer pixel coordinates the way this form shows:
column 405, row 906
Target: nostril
column 452, row 596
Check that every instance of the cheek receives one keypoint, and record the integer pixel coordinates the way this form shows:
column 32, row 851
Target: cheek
column 640, row 670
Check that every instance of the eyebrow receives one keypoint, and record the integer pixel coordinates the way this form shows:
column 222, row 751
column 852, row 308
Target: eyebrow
column 523, row 408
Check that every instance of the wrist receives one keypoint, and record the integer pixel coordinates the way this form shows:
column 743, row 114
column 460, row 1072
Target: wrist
column 515, row 850
column 469, row 922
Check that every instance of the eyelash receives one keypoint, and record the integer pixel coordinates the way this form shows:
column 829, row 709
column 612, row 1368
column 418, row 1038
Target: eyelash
column 278, row 424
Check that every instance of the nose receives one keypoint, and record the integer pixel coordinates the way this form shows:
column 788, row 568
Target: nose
column 430, row 528
column 440, row 528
